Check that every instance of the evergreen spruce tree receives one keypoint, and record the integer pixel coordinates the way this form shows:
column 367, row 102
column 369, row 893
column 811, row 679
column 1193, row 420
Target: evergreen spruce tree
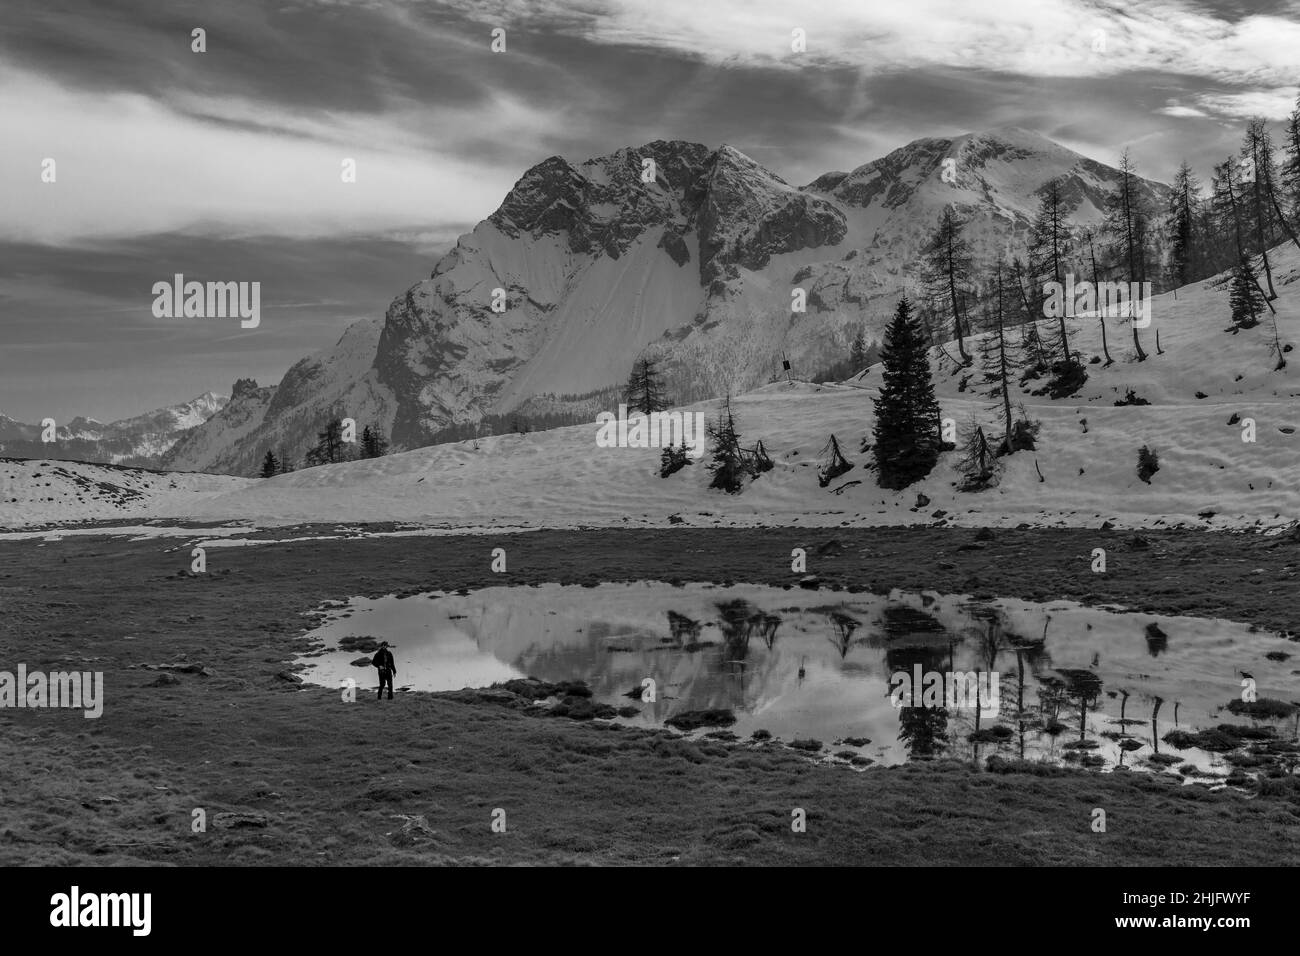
column 978, row 464
column 1245, row 297
column 645, row 390
column 673, row 459
column 270, row 465
column 1148, row 463
column 728, row 460
column 906, row 432
column 373, row 442
column 858, row 353
column 1180, row 226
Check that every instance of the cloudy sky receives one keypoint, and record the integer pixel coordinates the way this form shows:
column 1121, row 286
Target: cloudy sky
column 225, row 165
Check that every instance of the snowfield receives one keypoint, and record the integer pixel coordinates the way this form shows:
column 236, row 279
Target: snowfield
column 1209, row 477
column 38, row 492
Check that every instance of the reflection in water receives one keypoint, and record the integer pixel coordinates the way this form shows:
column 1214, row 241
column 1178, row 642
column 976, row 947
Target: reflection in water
column 828, row 676
column 682, row 628
column 843, row 626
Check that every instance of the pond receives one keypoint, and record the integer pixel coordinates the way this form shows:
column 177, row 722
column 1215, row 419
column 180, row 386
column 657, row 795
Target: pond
column 1058, row 682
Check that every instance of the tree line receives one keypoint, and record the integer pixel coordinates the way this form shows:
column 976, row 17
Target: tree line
column 1252, row 205
column 330, row 447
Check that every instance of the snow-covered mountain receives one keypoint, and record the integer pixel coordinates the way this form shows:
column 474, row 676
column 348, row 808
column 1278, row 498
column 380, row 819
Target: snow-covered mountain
column 1225, row 433
column 140, row 440
column 690, row 252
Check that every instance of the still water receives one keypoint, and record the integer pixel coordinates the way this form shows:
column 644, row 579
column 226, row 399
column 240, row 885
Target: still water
column 1071, row 684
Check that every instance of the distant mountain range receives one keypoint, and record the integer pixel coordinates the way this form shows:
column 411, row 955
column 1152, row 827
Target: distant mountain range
column 139, row 441
column 594, row 266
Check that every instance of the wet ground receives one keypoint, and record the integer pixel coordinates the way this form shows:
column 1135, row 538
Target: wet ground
column 289, row 774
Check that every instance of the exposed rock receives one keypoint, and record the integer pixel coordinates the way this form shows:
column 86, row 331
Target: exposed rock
column 239, row 821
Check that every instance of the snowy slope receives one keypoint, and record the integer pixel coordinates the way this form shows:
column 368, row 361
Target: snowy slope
column 561, row 478
column 38, row 492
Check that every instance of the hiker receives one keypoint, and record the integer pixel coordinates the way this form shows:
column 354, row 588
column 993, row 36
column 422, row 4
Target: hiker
column 383, row 659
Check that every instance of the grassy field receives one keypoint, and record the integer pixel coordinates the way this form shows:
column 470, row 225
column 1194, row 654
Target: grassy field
column 290, row 774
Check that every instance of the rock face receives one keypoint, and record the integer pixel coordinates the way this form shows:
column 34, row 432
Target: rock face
column 685, row 252
column 285, row 418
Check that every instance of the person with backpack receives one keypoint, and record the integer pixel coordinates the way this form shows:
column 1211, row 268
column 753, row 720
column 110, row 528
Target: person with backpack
column 383, row 659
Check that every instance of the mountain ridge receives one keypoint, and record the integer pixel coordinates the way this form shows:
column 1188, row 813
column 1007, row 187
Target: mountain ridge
column 672, row 249
column 138, row 440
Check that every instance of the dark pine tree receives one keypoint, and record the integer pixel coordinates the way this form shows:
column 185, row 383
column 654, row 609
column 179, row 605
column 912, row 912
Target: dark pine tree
column 978, row 464
column 673, row 459
column 906, row 433
column 1245, row 296
column 1049, row 241
column 1180, row 226
column 1257, row 159
column 858, row 353
column 728, row 459
column 270, row 465
column 645, row 390
column 373, row 442
column 329, row 445
column 1290, row 177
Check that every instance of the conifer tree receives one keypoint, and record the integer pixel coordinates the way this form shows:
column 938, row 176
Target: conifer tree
column 329, row 445
column 1049, row 242
column 858, row 353
column 673, row 459
column 1290, row 176
column 270, row 465
column 1180, row 226
column 1126, row 223
column 645, row 390
column 833, row 464
column 1090, row 243
column 759, row 460
column 947, row 274
column 1245, row 297
column 978, row 464
column 906, row 432
column 998, row 360
column 728, row 460
column 373, row 442
column 1257, row 159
